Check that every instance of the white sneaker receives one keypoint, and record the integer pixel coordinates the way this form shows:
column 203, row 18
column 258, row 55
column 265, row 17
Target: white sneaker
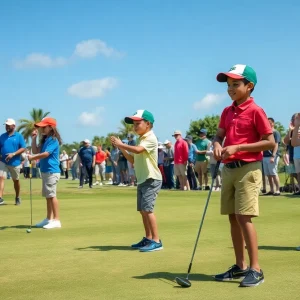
column 80, row 187
column 42, row 223
column 96, row 183
column 120, row 184
column 53, row 224
column 100, row 183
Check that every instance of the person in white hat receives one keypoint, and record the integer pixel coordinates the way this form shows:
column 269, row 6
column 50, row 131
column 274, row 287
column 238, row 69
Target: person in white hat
column 87, row 160
column 12, row 145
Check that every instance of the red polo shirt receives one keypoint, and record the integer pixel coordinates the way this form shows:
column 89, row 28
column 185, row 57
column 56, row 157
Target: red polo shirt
column 100, row 157
column 181, row 151
column 244, row 124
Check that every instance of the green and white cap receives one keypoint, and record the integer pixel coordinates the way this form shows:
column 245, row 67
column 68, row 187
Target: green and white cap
column 140, row 115
column 238, row 72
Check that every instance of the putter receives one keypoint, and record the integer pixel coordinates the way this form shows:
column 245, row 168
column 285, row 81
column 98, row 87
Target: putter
column 30, row 195
column 184, row 282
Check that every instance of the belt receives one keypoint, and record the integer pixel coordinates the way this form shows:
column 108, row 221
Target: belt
column 236, row 164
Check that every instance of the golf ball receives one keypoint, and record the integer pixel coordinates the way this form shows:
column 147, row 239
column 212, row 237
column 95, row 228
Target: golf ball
column 28, row 230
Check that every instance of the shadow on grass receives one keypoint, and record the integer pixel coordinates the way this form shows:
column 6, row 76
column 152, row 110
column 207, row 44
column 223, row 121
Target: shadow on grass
column 277, row 248
column 291, row 196
column 15, row 226
column 169, row 278
column 106, row 248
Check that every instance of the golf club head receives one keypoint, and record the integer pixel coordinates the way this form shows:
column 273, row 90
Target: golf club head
column 183, row 282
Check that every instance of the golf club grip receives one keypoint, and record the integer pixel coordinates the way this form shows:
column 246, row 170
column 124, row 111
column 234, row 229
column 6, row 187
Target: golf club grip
column 190, row 267
column 216, row 169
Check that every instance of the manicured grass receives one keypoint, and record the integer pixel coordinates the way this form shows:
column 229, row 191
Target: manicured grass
column 89, row 257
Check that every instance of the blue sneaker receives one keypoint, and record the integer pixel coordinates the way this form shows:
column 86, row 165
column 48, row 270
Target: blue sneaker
column 141, row 244
column 152, row 246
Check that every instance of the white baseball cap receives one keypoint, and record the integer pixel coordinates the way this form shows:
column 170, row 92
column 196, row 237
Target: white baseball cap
column 10, row 122
column 166, row 142
column 176, row 132
column 86, row 141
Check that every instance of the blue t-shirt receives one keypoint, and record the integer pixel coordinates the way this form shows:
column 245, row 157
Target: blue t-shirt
column 297, row 152
column 86, row 155
column 50, row 164
column 192, row 153
column 11, row 144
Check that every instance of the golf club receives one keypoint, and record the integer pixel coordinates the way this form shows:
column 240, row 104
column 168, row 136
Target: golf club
column 184, row 282
column 30, row 194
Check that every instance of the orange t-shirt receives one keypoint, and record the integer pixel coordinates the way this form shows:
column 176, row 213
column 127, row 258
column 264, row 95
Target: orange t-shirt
column 100, row 157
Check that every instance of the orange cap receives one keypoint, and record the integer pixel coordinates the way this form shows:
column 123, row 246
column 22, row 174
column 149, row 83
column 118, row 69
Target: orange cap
column 46, row 122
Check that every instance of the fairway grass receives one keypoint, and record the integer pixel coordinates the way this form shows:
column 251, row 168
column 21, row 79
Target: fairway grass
column 90, row 258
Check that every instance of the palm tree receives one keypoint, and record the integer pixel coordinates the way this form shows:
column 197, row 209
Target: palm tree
column 125, row 129
column 26, row 126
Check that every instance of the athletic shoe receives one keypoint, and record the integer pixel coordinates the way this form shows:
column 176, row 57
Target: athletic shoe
column 141, row 244
column 152, row 246
column 53, row 224
column 100, row 183
column 263, row 191
column 121, row 184
column 96, row 183
column 253, row 278
column 80, row 187
column 17, row 201
column 298, row 248
column 91, row 186
column 234, row 272
column 199, row 188
column 269, row 194
column 207, row 188
column 42, row 223
column 1, row 201
column 276, row 194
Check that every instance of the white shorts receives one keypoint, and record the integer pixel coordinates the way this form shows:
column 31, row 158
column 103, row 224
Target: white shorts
column 270, row 169
column 297, row 164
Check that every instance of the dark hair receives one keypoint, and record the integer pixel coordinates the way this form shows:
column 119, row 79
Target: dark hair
column 271, row 119
column 55, row 135
column 246, row 81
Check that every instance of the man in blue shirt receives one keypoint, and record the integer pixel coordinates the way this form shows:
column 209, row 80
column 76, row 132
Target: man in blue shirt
column 87, row 161
column 12, row 145
column 191, row 162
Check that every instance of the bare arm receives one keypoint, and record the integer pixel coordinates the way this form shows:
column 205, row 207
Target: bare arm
column 34, row 148
column 38, row 156
column 295, row 141
column 217, row 143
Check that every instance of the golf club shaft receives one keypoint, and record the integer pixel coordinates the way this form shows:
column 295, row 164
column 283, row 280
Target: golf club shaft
column 203, row 216
column 30, row 194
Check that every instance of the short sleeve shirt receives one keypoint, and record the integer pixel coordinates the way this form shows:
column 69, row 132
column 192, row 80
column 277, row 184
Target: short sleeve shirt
column 202, row 145
column 146, row 163
column 86, row 155
column 277, row 139
column 11, row 144
column 51, row 163
column 244, row 124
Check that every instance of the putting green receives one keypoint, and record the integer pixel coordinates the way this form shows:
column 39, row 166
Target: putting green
column 89, row 257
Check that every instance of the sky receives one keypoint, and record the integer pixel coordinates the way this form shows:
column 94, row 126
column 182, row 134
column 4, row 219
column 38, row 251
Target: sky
column 91, row 63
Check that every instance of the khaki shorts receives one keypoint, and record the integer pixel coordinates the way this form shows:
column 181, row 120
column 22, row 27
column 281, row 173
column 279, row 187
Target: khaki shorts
column 14, row 171
column 180, row 170
column 201, row 167
column 240, row 189
column 49, row 183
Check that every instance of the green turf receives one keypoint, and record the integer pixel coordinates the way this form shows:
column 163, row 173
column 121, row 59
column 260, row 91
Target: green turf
column 89, row 257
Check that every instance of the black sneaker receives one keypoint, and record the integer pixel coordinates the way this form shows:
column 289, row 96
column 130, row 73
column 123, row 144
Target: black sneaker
column 1, row 201
column 207, row 188
column 234, row 272
column 253, row 278
column 17, row 201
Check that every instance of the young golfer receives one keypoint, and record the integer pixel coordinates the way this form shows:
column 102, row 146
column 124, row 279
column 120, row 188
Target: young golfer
column 148, row 176
column 247, row 133
column 48, row 154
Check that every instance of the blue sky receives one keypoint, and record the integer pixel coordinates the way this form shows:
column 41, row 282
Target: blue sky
column 91, row 63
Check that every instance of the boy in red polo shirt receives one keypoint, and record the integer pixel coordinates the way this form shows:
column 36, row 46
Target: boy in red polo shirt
column 247, row 133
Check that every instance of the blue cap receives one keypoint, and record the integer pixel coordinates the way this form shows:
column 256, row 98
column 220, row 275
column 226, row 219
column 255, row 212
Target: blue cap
column 203, row 130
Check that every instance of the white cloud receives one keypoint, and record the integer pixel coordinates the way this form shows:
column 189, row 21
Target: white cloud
column 84, row 49
column 34, row 60
column 209, row 101
column 92, row 48
column 91, row 118
column 92, row 88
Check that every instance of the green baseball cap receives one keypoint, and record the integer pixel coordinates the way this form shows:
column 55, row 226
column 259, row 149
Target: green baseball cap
column 140, row 115
column 238, row 72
